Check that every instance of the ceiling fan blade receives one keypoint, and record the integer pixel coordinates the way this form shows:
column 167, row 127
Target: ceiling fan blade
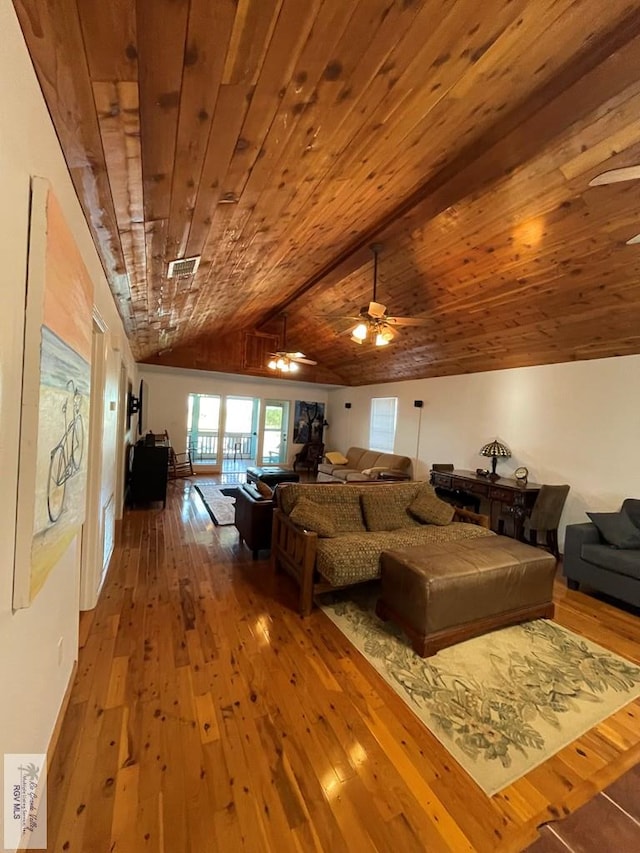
column 377, row 309
column 298, row 357
column 614, row 176
column 407, row 321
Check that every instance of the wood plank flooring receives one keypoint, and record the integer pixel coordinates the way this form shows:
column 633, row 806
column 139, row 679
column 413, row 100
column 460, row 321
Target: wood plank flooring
column 207, row 716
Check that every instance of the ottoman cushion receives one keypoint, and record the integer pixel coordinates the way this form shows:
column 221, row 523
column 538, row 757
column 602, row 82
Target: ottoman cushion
column 444, row 586
column 271, row 475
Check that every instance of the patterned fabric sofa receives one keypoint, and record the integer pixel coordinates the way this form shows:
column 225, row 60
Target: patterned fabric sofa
column 352, row 525
column 363, row 465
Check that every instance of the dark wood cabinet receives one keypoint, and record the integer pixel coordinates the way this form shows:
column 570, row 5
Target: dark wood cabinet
column 518, row 497
column 148, row 475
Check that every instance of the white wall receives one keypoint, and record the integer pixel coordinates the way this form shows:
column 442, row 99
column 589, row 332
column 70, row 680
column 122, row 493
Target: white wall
column 33, row 680
column 576, row 423
column 169, row 388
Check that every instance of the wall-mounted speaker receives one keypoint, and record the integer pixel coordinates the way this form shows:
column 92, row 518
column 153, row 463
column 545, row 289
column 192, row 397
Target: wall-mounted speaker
column 418, row 404
column 347, row 405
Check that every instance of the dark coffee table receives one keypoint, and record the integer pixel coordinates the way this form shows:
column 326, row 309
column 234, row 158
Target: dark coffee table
column 272, row 475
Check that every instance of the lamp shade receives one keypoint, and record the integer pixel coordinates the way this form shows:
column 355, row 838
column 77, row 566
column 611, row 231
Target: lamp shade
column 494, row 449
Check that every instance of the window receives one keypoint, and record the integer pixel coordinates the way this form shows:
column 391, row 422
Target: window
column 382, row 430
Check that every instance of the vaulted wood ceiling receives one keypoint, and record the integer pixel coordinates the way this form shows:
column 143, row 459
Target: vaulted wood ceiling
column 280, row 138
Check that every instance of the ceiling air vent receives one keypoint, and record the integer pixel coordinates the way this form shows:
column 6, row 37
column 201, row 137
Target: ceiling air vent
column 183, row 267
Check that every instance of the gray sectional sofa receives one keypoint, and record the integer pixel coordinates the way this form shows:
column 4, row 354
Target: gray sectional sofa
column 589, row 559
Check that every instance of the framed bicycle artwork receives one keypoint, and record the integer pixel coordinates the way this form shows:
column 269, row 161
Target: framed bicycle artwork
column 55, row 396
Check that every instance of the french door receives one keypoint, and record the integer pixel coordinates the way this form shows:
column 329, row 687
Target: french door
column 240, row 438
column 275, row 428
column 222, row 432
column 203, row 429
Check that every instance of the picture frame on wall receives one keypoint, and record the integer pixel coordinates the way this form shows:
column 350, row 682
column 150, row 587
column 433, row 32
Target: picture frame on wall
column 308, row 422
column 54, row 424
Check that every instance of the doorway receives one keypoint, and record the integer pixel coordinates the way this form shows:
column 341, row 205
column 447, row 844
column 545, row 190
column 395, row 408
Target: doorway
column 240, row 435
column 203, row 427
column 275, row 432
column 222, row 432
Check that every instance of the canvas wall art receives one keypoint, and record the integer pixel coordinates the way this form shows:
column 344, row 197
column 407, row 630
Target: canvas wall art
column 55, row 398
column 308, row 423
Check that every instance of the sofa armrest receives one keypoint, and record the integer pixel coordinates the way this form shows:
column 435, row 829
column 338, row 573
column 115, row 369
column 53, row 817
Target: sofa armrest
column 294, row 550
column 469, row 517
column 393, row 474
column 577, row 535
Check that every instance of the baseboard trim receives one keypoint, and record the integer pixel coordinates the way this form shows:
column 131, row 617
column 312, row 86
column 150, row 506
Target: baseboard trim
column 55, row 735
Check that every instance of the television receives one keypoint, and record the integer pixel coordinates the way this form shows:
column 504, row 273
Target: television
column 143, row 407
column 138, row 405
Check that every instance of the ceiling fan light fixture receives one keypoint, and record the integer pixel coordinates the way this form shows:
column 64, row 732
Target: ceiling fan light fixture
column 384, row 336
column 360, row 332
column 285, row 361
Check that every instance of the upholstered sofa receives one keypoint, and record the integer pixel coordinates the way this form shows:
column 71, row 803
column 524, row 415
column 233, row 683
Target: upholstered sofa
column 353, row 524
column 363, row 465
column 591, row 560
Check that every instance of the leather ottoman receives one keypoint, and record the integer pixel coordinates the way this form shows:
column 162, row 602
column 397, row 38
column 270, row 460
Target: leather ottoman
column 272, row 475
column 442, row 594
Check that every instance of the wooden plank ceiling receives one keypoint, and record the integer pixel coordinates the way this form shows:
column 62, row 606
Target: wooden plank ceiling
column 279, row 138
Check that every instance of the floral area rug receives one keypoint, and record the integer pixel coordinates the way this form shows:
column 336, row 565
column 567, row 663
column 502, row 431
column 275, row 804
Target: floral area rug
column 502, row 703
column 219, row 502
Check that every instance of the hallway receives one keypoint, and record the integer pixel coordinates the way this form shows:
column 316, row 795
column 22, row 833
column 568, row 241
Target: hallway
column 207, row 716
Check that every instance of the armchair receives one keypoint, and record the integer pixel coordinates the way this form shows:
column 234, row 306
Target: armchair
column 309, row 457
column 254, row 517
column 589, row 559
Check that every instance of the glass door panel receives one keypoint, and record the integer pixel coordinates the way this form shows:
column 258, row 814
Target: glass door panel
column 274, row 432
column 203, row 424
column 240, row 432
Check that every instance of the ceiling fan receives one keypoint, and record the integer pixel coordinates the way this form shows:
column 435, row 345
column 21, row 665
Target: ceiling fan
column 287, row 362
column 373, row 322
column 616, row 176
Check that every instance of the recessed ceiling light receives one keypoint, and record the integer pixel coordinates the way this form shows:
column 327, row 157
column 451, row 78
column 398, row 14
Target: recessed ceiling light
column 615, row 176
column 634, row 240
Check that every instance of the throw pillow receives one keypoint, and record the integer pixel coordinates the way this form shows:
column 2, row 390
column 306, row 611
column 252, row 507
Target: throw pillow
column 264, row 490
column 617, row 529
column 312, row 516
column 374, row 473
column 431, row 510
column 385, row 512
column 336, row 458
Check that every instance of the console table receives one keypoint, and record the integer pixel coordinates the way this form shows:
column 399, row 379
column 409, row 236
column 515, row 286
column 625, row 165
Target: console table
column 503, row 492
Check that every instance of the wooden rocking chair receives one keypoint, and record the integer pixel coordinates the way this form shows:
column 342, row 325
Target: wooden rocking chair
column 180, row 464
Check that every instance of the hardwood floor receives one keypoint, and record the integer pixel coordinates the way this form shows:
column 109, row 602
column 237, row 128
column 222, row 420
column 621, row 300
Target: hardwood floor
column 207, row 716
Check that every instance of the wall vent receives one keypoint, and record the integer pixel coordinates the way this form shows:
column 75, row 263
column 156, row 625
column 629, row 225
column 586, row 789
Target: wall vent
column 183, row 267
